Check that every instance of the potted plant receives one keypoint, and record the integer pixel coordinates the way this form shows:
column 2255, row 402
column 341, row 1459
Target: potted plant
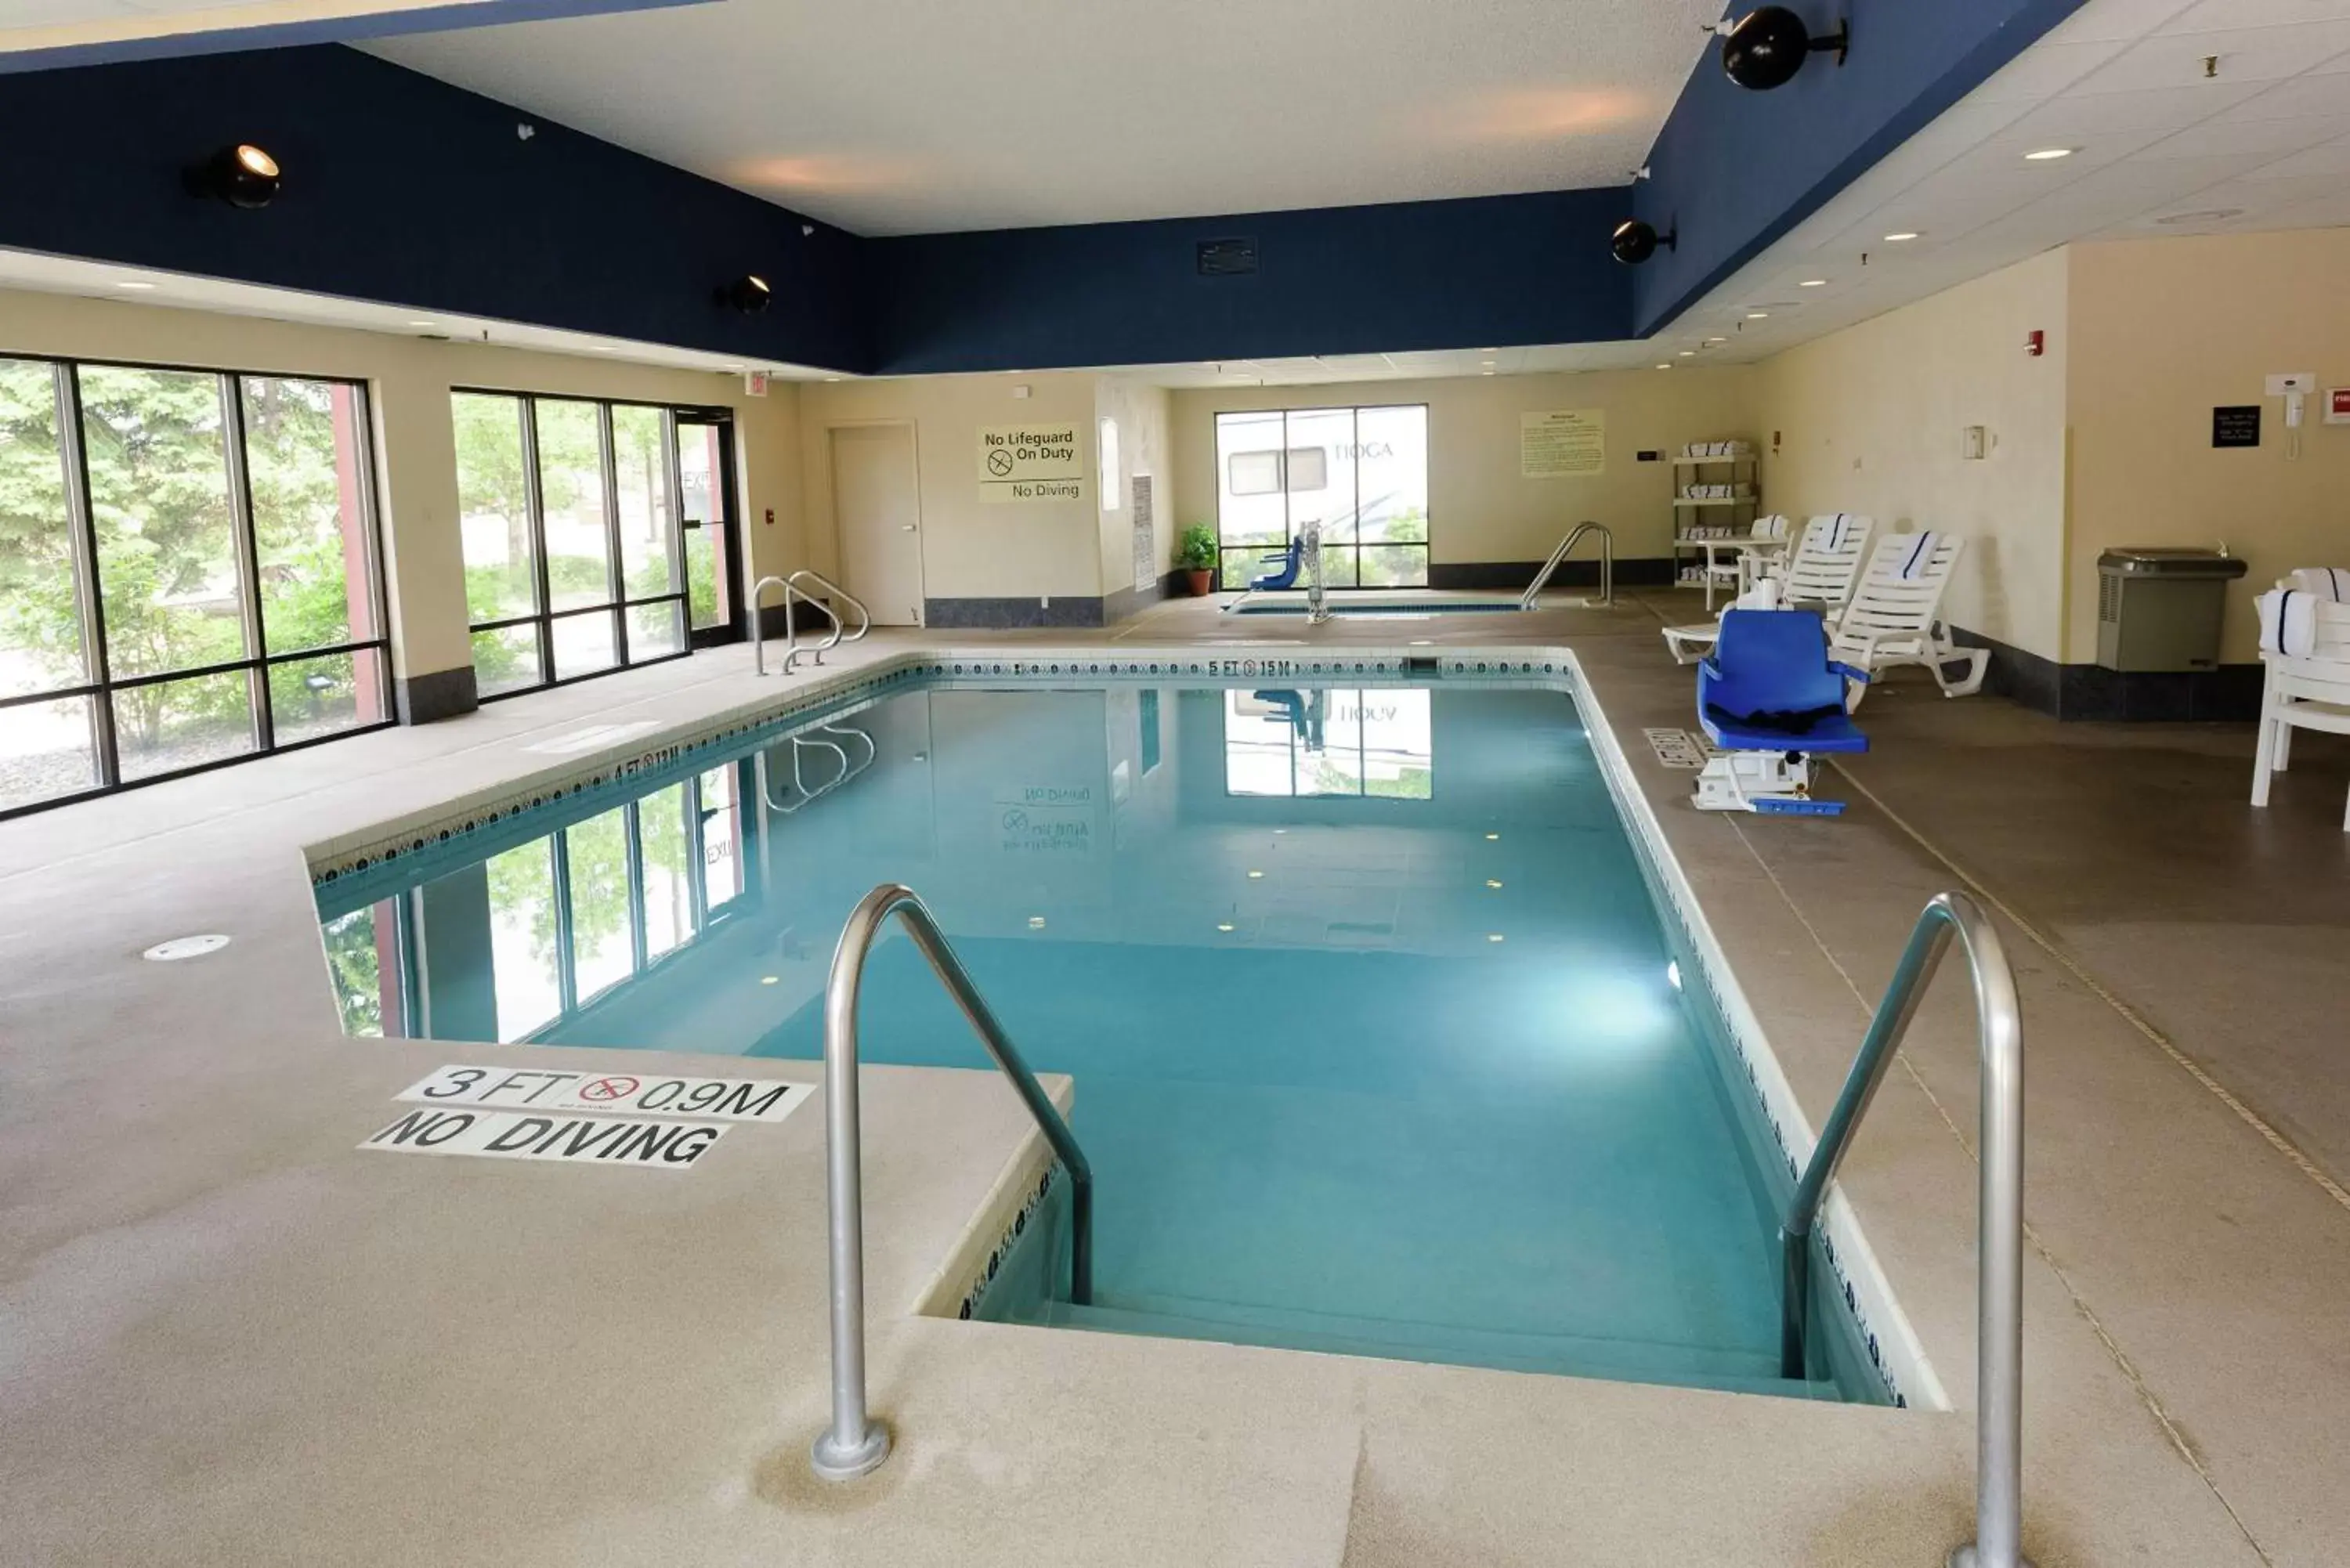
column 1195, row 557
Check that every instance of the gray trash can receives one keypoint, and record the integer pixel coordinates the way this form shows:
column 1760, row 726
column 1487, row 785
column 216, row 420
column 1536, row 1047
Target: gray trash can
column 2159, row 608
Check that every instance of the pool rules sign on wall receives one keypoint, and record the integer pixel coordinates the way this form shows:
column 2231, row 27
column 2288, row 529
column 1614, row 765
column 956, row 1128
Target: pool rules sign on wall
column 1031, row 462
column 1563, row 444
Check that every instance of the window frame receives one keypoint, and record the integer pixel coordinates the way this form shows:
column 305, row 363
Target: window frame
column 541, row 618
column 81, row 528
column 1284, row 455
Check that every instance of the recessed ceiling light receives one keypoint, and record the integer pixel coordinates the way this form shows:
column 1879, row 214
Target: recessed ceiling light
column 132, row 282
column 1689, row 354
column 1036, row 922
column 1255, row 874
column 1665, row 367
column 1758, row 316
column 1488, row 350
column 1494, row 936
column 1490, row 882
column 1491, row 837
column 1485, row 372
column 1717, row 339
column 1902, row 238
column 2049, row 154
column 771, row 980
column 1223, row 925
column 1814, row 283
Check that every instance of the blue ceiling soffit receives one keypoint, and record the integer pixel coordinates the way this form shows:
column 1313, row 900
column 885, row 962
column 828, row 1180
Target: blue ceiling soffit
column 424, row 18
column 402, row 189
column 1332, row 280
column 1732, row 169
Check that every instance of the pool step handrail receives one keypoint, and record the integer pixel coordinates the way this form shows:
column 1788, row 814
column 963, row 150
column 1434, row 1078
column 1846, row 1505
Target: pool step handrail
column 864, row 616
column 792, row 648
column 1999, row 1308
column 1559, row 557
column 855, row 1444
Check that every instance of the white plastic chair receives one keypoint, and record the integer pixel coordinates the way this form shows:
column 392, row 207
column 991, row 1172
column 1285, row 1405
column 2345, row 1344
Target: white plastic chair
column 2308, row 693
column 1892, row 619
column 1819, row 575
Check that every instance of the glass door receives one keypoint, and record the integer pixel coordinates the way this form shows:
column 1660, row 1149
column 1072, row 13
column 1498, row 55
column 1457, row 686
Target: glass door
column 713, row 576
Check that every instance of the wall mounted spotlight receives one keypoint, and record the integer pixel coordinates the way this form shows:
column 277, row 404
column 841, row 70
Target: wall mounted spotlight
column 1636, row 242
column 242, row 174
column 1764, row 48
column 748, row 294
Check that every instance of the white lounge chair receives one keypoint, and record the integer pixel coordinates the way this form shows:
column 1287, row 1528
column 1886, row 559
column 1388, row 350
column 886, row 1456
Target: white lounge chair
column 2307, row 691
column 1892, row 619
column 1819, row 575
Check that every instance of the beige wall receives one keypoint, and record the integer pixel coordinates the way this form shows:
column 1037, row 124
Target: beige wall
column 1480, row 508
column 1146, row 444
column 409, row 383
column 1870, row 419
column 2165, row 330
column 972, row 548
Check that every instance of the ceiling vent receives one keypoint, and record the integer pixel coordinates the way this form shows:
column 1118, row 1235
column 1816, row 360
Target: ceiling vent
column 1227, row 258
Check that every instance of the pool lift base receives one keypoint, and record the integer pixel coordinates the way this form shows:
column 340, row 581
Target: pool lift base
column 1774, row 782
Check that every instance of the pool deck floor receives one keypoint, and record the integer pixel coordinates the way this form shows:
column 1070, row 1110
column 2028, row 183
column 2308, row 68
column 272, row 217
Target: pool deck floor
column 234, row 1339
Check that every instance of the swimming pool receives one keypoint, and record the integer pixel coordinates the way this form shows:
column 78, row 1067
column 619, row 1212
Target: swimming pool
column 1379, row 1042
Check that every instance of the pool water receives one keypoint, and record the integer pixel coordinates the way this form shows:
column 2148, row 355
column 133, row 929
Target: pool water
column 1376, row 1031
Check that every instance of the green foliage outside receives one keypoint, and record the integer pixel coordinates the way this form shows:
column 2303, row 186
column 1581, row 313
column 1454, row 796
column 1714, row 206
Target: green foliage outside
column 167, row 549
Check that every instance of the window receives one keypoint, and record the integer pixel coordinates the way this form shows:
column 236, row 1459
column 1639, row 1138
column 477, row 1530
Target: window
column 573, row 561
column 189, row 573
column 1378, row 743
column 1360, row 473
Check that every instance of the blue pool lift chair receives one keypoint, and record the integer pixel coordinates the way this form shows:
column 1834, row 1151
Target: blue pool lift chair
column 1771, row 699
column 1292, row 562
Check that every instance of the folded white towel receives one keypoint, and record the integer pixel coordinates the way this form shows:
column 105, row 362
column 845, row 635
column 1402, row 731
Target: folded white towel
column 1919, row 556
column 2288, row 622
column 1762, row 596
column 2331, row 582
column 1840, row 532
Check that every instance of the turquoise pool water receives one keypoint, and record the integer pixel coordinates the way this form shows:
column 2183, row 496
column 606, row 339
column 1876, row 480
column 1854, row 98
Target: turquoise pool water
column 1377, row 1034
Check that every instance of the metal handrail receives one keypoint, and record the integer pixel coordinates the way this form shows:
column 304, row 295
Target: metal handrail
column 864, row 616
column 792, row 650
column 855, row 1444
column 1999, row 1310
column 1607, row 565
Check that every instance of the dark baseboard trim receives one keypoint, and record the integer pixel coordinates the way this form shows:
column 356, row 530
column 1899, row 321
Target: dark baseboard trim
column 1127, row 602
column 441, row 694
column 1640, row 572
column 998, row 613
column 2228, row 694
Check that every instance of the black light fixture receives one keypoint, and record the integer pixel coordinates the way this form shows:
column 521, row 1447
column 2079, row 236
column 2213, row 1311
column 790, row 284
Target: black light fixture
column 241, row 174
column 748, row 294
column 1636, row 242
column 1764, row 48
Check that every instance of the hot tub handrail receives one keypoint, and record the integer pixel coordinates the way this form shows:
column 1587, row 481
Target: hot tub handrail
column 855, row 1445
column 1607, row 565
column 864, row 616
column 1999, row 1310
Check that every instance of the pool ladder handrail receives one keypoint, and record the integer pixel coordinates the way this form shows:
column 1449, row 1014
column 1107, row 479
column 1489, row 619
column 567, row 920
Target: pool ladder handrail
column 1559, row 557
column 794, row 591
column 855, row 1444
column 864, row 616
column 1999, row 1308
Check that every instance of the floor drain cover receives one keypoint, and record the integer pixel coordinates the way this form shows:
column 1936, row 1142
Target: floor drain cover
column 180, row 948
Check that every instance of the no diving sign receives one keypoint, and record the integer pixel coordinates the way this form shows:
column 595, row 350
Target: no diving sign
column 1031, row 462
column 528, row 1113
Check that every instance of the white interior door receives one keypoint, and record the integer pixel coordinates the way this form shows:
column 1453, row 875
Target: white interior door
column 876, row 509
